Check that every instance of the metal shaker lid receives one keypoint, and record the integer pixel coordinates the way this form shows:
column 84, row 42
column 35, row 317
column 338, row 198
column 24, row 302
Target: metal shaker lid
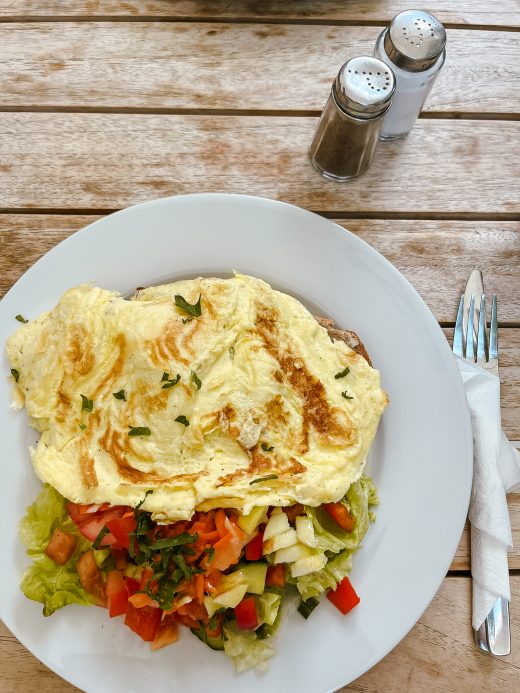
column 414, row 40
column 364, row 87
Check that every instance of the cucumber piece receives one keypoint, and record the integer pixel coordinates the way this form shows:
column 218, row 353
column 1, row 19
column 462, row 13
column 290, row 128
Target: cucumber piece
column 216, row 643
column 248, row 523
column 231, row 598
column 254, row 575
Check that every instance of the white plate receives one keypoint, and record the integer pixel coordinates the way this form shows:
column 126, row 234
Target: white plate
column 421, row 460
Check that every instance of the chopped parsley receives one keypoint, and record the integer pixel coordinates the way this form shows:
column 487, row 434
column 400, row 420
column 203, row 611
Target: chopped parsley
column 97, row 541
column 82, row 426
column 120, row 395
column 266, row 447
column 186, row 320
column 21, row 318
column 344, row 394
column 139, row 431
column 182, row 420
column 231, row 351
column 263, row 478
column 86, row 404
column 193, row 310
column 15, row 374
column 170, row 383
column 342, row 373
column 196, row 380
column 210, row 551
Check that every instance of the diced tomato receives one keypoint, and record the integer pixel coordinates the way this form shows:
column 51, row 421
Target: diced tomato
column 90, row 577
column 167, row 632
column 117, row 594
column 188, row 621
column 61, row 546
column 146, row 577
column 144, row 621
column 120, row 528
column 294, row 511
column 140, row 600
column 246, row 615
column 132, row 586
column 275, row 576
column 340, row 515
column 121, row 558
column 254, row 548
column 344, row 597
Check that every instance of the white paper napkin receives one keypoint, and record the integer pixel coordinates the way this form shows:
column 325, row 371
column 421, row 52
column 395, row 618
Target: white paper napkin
column 496, row 471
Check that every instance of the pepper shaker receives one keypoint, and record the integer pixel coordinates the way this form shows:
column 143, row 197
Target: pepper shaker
column 414, row 47
column 347, row 134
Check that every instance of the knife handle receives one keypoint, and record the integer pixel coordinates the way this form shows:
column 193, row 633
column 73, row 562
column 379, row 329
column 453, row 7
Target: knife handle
column 494, row 635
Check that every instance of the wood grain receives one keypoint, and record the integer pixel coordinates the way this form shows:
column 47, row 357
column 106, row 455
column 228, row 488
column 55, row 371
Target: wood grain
column 464, row 12
column 111, row 161
column 421, row 663
column 435, row 256
column 267, row 67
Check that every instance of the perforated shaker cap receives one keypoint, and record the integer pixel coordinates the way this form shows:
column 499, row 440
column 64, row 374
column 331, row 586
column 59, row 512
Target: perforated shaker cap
column 414, row 40
column 364, row 87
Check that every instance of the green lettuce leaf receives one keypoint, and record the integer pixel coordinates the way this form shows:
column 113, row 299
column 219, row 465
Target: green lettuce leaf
column 45, row 581
column 315, row 584
column 245, row 649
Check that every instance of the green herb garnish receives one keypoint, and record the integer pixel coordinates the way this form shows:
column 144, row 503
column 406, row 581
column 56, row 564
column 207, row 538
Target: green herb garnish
column 21, row 318
column 231, row 351
column 306, row 608
column 15, row 374
column 186, row 320
column 196, row 380
column 179, row 540
column 193, row 310
column 139, row 431
column 170, row 383
column 266, row 447
column 165, row 376
column 210, row 551
column 97, row 541
column 82, row 426
column 344, row 394
column 182, row 420
column 343, row 373
column 263, row 478
column 120, row 395
column 86, row 404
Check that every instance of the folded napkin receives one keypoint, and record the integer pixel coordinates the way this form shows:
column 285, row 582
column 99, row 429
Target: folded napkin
column 496, row 471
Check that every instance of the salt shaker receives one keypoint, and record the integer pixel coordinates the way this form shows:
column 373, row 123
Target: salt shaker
column 347, row 134
column 414, row 47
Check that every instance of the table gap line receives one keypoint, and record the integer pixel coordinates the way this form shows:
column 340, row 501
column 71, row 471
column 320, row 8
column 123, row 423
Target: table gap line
column 231, row 112
column 294, row 21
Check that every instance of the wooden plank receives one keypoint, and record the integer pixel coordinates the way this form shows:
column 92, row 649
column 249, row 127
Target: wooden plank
column 461, row 560
column 97, row 65
column 106, row 161
column 421, row 663
column 435, row 256
column 463, row 12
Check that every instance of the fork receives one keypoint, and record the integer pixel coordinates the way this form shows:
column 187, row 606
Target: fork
column 470, row 341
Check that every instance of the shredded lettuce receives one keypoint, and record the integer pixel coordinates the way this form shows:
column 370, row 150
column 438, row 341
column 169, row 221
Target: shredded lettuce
column 45, row 581
column 338, row 545
column 245, row 649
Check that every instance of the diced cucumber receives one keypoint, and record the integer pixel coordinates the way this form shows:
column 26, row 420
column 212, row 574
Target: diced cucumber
column 277, row 524
column 280, row 541
column 250, row 574
column 133, row 571
column 305, row 531
column 231, row 598
column 304, row 566
column 292, row 553
column 248, row 523
column 216, row 643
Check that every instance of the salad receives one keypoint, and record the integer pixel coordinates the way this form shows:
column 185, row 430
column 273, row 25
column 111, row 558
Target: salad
column 222, row 575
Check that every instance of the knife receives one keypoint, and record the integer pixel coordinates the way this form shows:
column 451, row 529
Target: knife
column 494, row 635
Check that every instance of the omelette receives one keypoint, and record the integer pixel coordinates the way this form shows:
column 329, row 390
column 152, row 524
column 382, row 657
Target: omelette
column 214, row 393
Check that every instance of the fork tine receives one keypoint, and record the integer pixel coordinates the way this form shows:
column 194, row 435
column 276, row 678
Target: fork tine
column 458, row 341
column 481, row 339
column 493, row 334
column 470, row 346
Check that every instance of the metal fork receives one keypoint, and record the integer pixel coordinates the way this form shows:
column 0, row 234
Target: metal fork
column 470, row 341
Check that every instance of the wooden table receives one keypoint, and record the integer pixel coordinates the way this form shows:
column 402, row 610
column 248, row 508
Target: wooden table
column 106, row 103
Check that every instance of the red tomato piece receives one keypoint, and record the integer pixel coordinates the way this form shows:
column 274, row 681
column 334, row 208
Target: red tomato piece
column 340, row 515
column 61, row 546
column 344, row 597
column 120, row 528
column 167, row 632
column 246, row 615
column 275, row 576
column 144, row 621
column 254, row 548
column 132, row 586
column 116, row 593
column 90, row 577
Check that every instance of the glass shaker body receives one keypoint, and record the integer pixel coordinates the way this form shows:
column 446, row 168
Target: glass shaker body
column 343, row 147
column 411, row 91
